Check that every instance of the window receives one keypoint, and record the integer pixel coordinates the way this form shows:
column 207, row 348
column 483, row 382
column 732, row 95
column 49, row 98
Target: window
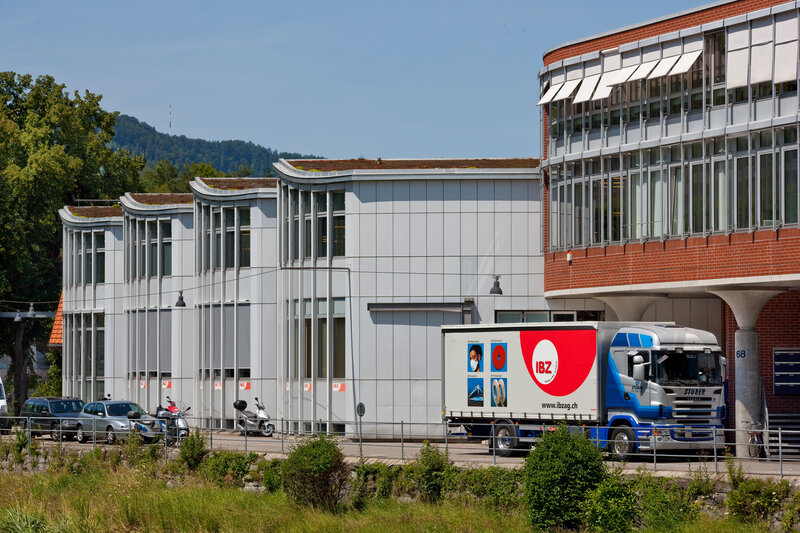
column 230, row 238
column 338, row 224
column 244, row 236
column 790, row 186
column 100, row 256
column 152, row 236
column 306, row 199
column 216, row 222
column 322, row 338
column 322, row 223
column 142, row 248
column 786, row 371
column 295, row 231
column 87, row 258
column 339, row 337
column 166, row 248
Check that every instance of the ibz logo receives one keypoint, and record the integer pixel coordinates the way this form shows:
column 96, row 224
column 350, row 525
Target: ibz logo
column 559, row 361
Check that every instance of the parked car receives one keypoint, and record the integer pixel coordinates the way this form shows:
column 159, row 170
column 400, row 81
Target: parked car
column 5, row 420
column 109, row 419
column 54, row 414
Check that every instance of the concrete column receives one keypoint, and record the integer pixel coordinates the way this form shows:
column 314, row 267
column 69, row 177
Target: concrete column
column 629, row 308
column 746, row 306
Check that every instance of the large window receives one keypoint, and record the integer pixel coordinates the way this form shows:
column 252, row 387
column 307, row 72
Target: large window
column 322, row 223
column 244, row 236
column 338, row 224
column 166, row 247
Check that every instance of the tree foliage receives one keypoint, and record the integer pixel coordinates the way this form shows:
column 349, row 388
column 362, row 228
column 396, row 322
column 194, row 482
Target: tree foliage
column 54, row 148
column 232, row 158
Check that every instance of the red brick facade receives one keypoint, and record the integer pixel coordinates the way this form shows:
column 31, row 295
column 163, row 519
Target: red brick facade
column 665, row 26
column 778, row 326
column 761, row 253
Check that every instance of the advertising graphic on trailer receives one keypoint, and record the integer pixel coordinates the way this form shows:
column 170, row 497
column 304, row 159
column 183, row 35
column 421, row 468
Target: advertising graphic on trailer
column 522, row 370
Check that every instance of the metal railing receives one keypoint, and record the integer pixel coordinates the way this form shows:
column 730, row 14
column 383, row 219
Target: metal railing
column 768, row 452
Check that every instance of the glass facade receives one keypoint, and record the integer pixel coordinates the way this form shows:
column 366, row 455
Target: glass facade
column 681, row 137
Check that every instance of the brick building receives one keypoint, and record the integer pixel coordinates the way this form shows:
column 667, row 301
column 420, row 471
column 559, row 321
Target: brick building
column 670, row 170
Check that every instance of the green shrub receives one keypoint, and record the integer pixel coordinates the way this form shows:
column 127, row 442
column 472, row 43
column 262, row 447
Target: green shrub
column 559, row 472
column 193, row 450
column 19, row 444
column 228, row 468
column 701, row 484
column 791, row 514
column 432, row 466
column 269, row 474
column 315, row 473
column 611, row 506
column 662, row 505
column 372, row 482
column 498, row 488
column 757, row 499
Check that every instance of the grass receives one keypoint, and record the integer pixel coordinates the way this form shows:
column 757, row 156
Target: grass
column 134, row 500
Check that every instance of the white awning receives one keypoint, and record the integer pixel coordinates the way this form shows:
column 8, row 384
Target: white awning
column 605, row 85
column 663, row 67
column 624, row 74
column 786, row 62
column 738, row 65
column 566, row 90
column 587, row 88
column 685, row 63
column 551, row 92
column 643, row 70
column 761, row 63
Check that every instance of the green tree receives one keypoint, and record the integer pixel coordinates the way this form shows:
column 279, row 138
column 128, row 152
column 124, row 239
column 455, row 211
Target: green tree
column 54, row 147
column 161, row 177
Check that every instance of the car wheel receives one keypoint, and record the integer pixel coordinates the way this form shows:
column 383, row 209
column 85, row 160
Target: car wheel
column 505, row 439
column 80, row 436
column 267, row 429
column 622, row 443
column 110, row 436
column 55, row 432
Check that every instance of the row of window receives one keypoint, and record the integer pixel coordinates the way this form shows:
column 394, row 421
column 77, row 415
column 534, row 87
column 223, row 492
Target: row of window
column 85, row 257
column 149, row 339
column 298, row 357
column 224, row 237
column 517, row 317
column 745, row 183
column 224, row 340
column 84, row 353
column 148, row 247
column 307, row 222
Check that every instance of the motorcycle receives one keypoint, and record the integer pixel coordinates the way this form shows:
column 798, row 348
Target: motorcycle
column 173, row 421
column 251, row 422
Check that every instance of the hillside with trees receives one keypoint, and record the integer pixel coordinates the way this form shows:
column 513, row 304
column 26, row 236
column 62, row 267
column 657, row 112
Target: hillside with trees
column 228, row 157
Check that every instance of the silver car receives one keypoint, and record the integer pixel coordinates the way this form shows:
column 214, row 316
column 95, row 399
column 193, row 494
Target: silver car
column 109, row 418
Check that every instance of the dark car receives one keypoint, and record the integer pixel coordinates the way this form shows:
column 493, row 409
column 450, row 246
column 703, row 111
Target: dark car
column 56, row 415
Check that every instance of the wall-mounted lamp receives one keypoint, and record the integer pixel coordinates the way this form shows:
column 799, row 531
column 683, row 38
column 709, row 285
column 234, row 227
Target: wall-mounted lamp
column 496, row 286
column 569, row 258
column 18, row 317
column 180, row 302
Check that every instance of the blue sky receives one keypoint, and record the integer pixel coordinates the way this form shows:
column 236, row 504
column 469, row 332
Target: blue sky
column 337, row 79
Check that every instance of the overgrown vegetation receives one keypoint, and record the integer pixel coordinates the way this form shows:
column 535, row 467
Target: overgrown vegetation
column 315, row 473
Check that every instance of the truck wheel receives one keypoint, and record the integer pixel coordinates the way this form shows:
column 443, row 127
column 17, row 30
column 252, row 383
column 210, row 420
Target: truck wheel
column 622, row 443
column 505, row 439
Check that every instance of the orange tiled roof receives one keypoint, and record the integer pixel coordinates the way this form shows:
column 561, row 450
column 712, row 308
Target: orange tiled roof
column 57, row 335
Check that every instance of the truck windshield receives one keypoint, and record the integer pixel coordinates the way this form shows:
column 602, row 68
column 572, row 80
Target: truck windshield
column 686, row 368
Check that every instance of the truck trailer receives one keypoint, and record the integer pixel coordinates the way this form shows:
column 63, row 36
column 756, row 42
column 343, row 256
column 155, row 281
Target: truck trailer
column 630, row 386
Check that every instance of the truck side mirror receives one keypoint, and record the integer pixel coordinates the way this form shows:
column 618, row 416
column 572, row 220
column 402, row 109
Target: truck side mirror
column 723, row 363
column 638, row 368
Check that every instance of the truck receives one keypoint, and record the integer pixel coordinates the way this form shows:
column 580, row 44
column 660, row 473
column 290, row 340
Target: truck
column 629, row 386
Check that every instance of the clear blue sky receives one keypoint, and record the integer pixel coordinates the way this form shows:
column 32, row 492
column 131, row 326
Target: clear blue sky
column 337, row 79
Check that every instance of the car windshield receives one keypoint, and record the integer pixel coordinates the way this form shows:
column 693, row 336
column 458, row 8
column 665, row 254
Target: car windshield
column 121, row 409
column 66, row 406
column 686, row 368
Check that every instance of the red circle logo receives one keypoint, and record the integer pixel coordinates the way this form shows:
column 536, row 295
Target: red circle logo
column 499, row 357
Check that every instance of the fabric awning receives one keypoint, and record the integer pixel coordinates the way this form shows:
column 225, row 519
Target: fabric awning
column 566, row 90
column 685, row 63
column 738, row 65
column 605, row 85
column 643, row 70
column 663, row 67
column 786, row 62
column 761, row 63
column 587, row 88
column 550, row 93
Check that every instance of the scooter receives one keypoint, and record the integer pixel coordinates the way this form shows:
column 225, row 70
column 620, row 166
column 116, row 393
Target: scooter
column 173, row 421
column 251, row 422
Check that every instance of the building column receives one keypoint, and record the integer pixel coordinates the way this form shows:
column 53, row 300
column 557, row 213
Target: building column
column 746, row 306
column 629, row 308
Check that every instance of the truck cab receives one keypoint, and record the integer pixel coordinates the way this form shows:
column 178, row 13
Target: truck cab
column 664, row 389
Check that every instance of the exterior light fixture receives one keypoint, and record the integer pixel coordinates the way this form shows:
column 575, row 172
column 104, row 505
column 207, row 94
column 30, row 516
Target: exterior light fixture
column 496, row 287
column 180, row 302
column 18, row 318
column 569, row 257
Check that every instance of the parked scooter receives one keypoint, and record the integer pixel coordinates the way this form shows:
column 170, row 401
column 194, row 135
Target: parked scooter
column 173, row 421
column 251, row 422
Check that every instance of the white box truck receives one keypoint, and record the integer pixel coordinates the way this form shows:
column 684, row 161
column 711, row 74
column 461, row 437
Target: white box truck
column 631, row 385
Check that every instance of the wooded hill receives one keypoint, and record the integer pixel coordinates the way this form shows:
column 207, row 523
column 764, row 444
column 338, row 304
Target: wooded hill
column 226, row 156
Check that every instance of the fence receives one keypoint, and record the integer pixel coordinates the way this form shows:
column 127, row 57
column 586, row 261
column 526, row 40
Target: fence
column 774, row 452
